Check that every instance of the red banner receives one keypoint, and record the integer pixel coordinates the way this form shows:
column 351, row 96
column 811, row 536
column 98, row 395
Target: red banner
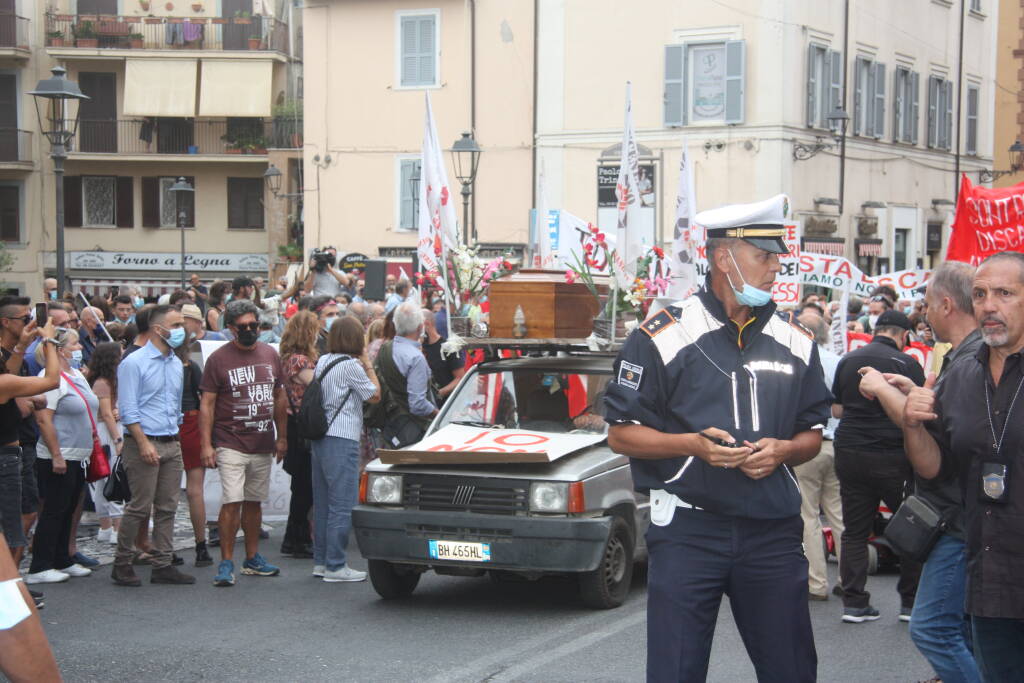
column 922, row 353
column 987, row 221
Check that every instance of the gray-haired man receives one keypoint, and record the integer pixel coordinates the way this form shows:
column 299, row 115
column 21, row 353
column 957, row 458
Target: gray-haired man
column 243, row 399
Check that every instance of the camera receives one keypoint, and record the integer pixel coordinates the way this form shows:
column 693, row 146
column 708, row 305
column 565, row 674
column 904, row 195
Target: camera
column 323, row 258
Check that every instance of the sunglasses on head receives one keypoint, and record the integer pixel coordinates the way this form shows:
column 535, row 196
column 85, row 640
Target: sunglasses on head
column 248, row 326
column 879, row 297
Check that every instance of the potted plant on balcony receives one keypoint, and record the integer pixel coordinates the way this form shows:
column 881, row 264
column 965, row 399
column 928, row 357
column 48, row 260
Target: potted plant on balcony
column 85, row 35
column 290, row 252
column 288, row 124
column 197, row 7
column 218, row 20
column 55, row 38
column 255, row 42
column 242, row 17
column 154, row 20
column 135, row 40
column 144, row 5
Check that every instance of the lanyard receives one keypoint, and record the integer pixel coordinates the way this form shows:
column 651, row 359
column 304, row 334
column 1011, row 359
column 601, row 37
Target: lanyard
column 998, row 444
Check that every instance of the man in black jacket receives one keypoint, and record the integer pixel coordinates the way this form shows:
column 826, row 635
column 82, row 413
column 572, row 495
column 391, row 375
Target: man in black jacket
column 714, row 401
column 871, row 464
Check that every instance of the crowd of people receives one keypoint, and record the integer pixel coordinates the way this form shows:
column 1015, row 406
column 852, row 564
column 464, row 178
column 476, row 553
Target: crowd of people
column 130, row 377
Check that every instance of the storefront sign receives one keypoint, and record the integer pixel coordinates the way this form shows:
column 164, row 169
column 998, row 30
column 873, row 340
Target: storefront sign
column 151, row 261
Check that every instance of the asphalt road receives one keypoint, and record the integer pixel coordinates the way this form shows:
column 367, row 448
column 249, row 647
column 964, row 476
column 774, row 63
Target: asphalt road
column 294, row 627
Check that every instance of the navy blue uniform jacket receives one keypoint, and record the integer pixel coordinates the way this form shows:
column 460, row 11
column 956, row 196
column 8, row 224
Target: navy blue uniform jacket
column 688, row 368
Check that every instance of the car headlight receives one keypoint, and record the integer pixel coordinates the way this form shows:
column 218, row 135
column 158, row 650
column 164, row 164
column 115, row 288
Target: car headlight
column 384, row 489
column 549, row 496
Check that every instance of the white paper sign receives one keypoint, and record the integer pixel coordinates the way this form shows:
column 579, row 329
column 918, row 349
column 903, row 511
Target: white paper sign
column 479, row 440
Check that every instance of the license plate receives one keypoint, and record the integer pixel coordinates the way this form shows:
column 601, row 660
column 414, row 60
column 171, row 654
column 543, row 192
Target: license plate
column 457, row 550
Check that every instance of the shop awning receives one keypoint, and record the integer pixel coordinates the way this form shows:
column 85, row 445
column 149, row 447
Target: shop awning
column 832, row 246
column 160, row 87
column 869, row 247
column 149, row 288
column 235, row 87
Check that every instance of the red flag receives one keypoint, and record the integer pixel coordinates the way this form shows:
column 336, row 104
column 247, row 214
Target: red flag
column 988, row 220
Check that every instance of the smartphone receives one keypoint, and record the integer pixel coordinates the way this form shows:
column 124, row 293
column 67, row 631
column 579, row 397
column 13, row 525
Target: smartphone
column 718, row 441
column 42, row 312
column 114, row 290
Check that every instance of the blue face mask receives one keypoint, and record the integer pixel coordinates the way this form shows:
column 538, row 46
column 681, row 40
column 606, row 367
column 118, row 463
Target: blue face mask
column 138, row 302
column 53, row 295
column 908, row 310
column 750, row 296
column 176, row 338
column 76, row 358
column 328, row 322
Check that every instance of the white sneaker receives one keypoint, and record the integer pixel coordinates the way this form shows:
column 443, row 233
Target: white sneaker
column 318, row 570
column 76, row 570
column 346, row 573
column 47, row 576
column 113, row 536
column 103, row 535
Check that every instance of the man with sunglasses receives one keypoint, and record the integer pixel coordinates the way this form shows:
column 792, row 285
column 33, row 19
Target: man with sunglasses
column 243, row 400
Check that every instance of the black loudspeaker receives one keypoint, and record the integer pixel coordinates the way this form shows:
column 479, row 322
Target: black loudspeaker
column 374, row 278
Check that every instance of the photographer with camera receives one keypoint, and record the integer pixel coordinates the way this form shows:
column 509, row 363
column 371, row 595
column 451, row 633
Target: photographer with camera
column 324, row 279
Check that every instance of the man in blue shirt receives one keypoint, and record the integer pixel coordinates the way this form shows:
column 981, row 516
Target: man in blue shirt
column 409, row 359
column 149, row 385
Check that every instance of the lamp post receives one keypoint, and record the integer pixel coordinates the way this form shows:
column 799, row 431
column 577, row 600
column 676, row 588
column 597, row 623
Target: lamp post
column 273, row 177
column 51, row 98
column 466, row 157
column 179, row 188
column 837, row 121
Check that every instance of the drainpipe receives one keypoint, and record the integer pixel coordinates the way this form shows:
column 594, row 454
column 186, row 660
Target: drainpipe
column 959, row 105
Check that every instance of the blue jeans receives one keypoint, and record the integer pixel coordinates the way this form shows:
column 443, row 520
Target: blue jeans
column 335, row 491
column 938, row 626
column 999, row 644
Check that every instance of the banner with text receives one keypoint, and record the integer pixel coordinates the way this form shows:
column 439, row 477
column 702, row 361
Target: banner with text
column 988, row 220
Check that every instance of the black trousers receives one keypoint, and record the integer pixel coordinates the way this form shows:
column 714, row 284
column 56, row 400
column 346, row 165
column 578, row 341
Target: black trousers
column 297, row 463
column 759, row 564
column 60, row 494
column 867, row 478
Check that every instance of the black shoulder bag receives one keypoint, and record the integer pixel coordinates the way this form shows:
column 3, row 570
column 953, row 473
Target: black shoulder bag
column 312, row 418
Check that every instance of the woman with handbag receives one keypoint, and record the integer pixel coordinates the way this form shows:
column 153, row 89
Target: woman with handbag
column 103, row 378
column 346, row 379
column 298, row 358
column 68, row 439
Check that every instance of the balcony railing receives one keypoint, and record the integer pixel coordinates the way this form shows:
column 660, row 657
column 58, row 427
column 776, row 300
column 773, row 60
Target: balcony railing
column 14, row 31
column 15, row 145
column 186, row 136
column 166, row 33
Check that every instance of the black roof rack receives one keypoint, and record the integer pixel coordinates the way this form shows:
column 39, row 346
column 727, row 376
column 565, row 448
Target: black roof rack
column 492, row 347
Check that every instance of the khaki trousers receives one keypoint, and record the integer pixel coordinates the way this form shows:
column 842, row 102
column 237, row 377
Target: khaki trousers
column 819, row 488
column 154, row 488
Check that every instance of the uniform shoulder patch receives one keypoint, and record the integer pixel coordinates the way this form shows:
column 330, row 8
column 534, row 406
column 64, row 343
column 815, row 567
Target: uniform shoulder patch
column 658, row 323
column 790, row 318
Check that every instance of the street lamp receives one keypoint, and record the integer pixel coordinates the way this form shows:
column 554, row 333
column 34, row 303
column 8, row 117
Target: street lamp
column 59, row 125
column 837, row 121
column 179, row 189
column 272, row 177
column 466, row 157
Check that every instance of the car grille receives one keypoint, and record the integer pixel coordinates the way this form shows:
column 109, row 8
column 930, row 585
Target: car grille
column 467, row 494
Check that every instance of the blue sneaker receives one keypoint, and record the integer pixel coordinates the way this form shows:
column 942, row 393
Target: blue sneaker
column 258, row 566
column 225, row 574
column 85, row 561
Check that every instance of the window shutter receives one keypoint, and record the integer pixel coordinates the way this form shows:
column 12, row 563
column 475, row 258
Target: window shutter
column 10, row 213
column 188, row 203
column 972, row 120
column 735, row 70
column 879, row 101
column 949, row 114
column 151, row 202
column 410, row 53
column 812, row 86
column 915, row 89
column 407, row 206
column 254, row 203
column 428, row 39
column 124, row 211
column 858, row 95
column 672, row 112
column 73, row 201
column 236, row 204
column 899, row 87
column 933, row 112
column 837, row 68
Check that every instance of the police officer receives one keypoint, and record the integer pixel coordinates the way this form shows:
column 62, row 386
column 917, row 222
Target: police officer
column 715, row 400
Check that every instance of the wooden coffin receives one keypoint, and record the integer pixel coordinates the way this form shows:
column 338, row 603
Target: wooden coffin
column 553, row 307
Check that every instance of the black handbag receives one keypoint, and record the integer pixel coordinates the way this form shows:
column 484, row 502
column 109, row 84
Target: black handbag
column 116, row 488
column 401, row 430
column 915, row 528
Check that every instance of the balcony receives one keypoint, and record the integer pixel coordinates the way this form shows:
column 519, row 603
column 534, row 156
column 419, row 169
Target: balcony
column 106, row 32
column 16, row 150
column 241, row 139
column 14, row 36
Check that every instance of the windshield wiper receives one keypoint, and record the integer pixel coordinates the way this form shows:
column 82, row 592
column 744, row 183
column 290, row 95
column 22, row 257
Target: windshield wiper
column 476, row 423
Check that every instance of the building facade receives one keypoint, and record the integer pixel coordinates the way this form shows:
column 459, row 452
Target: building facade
column 209, row 91
column 1009, row 101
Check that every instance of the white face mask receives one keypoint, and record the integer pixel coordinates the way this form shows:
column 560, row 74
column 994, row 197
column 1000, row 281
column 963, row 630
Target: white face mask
column 872, row 319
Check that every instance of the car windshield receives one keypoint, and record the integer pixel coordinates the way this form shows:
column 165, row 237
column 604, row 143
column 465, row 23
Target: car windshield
column 541, row 400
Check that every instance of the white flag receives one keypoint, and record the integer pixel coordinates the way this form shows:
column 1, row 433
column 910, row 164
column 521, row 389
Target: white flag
column 437, row 228
column 838, row 331
column 684, row 243
column 543, row 256
column 627, row 190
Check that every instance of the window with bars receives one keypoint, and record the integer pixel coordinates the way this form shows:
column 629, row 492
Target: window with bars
column 973, row 102
column 705, row 83
column 245, row 203
column 418, row 49
column 99, row 201
column 906, row 85
column 159, row 205
column 98, row 197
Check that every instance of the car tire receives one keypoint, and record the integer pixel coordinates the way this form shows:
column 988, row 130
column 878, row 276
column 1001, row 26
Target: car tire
column 872, row 559
column 607, row 586
column 391, row 583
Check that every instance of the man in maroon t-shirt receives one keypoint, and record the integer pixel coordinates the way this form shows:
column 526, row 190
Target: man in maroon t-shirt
column 243, row 400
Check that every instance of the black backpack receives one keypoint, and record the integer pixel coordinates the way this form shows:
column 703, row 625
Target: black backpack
column 311, row 419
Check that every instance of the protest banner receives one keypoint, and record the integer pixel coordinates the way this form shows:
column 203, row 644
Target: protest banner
column 922, row 353
column 988, row 220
